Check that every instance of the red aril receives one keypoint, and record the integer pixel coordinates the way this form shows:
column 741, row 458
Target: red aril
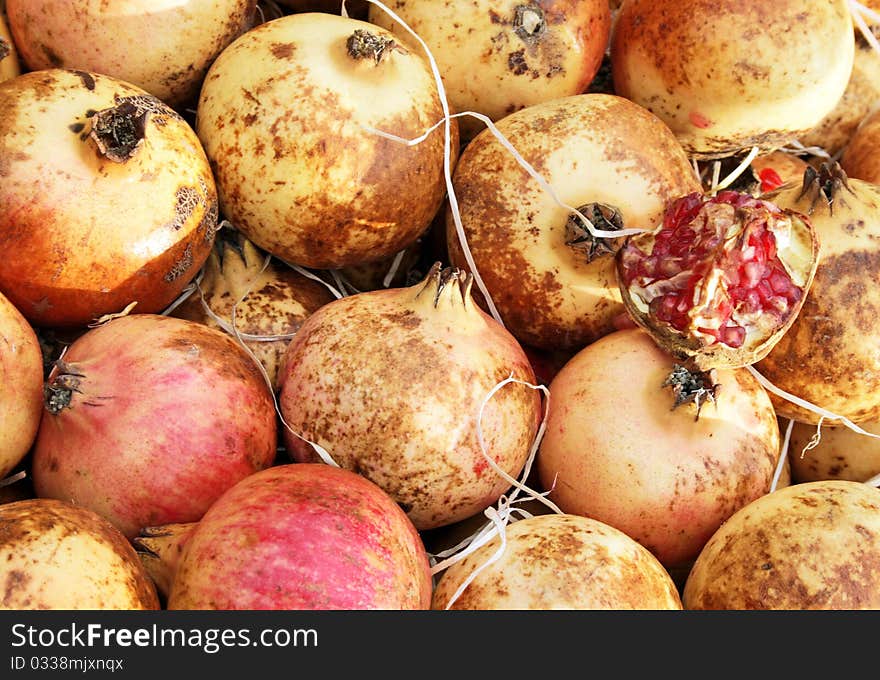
column 721, row 279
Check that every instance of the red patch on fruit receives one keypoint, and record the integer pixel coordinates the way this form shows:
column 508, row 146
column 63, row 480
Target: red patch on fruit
column 697, row 119
column 770, row 179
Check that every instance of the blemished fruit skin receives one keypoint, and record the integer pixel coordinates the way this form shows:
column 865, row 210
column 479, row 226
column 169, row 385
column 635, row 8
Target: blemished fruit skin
column 21, row 378
column 814, row 545
column 830, row 356
column 555, row 562
column 616, row 450
column 94, row 231
column 549, row 290
column 860, row 159
column 786, row 69
column 318, row 184
column 391, row 382
column 500, row 56
column 303, row 536
column 55, row 555
column 184, row 37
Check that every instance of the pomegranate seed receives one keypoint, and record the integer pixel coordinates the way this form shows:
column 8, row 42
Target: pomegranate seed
column 770, row 179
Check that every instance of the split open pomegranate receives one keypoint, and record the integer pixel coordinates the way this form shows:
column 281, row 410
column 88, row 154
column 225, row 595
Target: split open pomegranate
column 721, row 279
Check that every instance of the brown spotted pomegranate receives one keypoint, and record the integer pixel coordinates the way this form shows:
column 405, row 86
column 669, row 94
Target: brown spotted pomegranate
column 391, row 384
column 830, row 356
column 106, row 198
column 721, row 279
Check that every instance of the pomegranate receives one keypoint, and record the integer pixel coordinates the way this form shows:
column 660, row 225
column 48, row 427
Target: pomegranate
column 56, row 555
column 721, row 279
column 860, row 159
column 9, row 62
column 317, row 184
column 861, row 97
column 695, row 448
column 21, row 394
column 499, row 56
column 184, row 37
column 731, row 76
column 149, row 418
column 834, row 452
column 302, row 536
column 107, row 198
column 558, row 561
column 551, row 280
column 392, row 383
column 814, row 545
column 270, row 300
column 830, row 356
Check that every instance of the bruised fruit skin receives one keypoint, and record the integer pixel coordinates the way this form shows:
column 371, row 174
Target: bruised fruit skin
column 556, row 562
column 314, row 184
column 148, row 419
column 94, row 231
column 811, row 546
column 270, row 299
column 305, row 537
column 831, row 354
column 184, row 37
column 553, row 284
column 722, row 278
column 55, row 555
column 391, row 382
column 670, row 475
column 728, row 75
column 21, row 394
column 499, row 56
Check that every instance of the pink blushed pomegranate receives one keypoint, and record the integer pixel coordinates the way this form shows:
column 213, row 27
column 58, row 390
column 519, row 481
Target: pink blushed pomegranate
column 149, row 419
column 722, row 278
column 303, row 536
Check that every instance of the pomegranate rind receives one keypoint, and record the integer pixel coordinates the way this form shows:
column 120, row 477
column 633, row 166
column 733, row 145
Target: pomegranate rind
column 797, row 245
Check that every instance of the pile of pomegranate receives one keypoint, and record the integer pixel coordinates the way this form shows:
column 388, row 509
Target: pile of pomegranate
column 514, row 306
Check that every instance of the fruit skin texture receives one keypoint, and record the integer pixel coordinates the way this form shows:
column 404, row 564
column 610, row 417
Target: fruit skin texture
column 860, row 159
column 592, row 148
column 21, row 378
column 184, row 37
column 729, row 75
column 167, row 414
column 311, row 184
column 559, row 561
column 270, row 299
column 813, row 546
column 615, row 450
column 9, row 64
column 495, row 63
column 390, row 383
column 841, row 453
column 303, row 536
column 91, row 235
column 54, row 555
column 831, row 354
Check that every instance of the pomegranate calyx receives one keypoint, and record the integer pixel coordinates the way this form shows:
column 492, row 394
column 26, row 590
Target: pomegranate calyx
column 119, row 131
column 58, row 392
column 691, row 386
column 529, row 23
column 447, row 282
column 5, row 49
column 363, row 44
column 580, row 239
column 824, row 184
